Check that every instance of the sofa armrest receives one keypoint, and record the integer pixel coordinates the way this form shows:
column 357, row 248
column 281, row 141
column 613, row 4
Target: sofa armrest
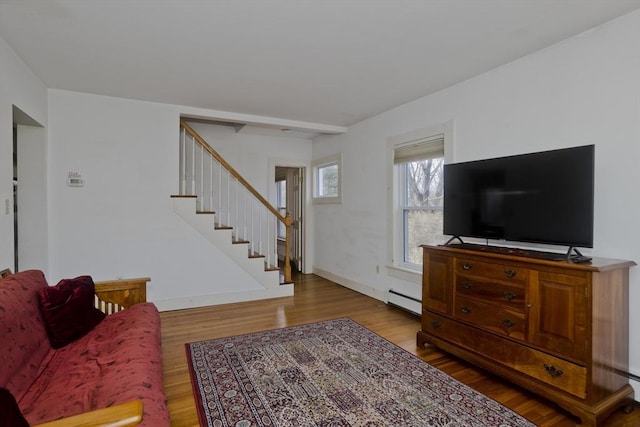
column 122, row 415
column 116, row 295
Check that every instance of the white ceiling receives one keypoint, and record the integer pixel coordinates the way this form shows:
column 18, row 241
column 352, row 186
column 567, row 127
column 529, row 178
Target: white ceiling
column 331, row 62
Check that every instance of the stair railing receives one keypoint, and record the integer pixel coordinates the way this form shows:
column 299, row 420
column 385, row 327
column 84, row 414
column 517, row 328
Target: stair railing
column 220, row 189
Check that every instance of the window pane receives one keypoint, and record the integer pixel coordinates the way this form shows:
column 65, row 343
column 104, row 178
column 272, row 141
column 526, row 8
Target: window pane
column 328, row 181
column 281, row 194
column 421, row 227
column 282, row 231
column 421, row 205
column 424, row 183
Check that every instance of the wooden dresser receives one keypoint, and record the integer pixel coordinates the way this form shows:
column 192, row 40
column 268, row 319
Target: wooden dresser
column 556, row 328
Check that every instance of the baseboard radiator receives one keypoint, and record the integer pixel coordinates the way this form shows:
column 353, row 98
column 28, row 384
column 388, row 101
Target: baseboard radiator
column 405, row 302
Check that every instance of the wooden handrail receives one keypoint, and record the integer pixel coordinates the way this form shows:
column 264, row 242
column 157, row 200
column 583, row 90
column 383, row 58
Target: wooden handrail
column 231, row 170
column 286, row 219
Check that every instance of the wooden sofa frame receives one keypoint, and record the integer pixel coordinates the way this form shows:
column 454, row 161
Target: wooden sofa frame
column 111, row 296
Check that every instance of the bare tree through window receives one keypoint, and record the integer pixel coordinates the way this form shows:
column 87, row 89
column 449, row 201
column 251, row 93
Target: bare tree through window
column 424, row 183
column 422, row 211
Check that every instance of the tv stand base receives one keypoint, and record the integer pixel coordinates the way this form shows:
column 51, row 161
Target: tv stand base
column 458, row 238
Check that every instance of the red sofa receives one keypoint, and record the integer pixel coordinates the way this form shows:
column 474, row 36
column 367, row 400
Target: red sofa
column 118, row 361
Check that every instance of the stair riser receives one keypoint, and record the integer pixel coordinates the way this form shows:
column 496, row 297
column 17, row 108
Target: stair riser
column 222, row 239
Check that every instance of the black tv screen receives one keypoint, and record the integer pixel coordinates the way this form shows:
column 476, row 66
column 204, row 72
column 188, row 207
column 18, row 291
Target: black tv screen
column 544, row 197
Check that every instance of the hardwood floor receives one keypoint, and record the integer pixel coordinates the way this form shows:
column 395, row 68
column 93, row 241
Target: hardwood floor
column 317, row 299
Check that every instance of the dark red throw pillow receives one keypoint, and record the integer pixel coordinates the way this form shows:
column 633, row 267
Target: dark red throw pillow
column 10, row 415
column 68, row 310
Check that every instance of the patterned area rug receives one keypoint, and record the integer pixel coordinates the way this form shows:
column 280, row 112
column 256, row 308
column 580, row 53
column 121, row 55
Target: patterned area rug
column 333, row 373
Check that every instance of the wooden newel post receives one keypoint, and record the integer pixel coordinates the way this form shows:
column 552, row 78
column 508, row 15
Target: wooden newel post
column 287, row 248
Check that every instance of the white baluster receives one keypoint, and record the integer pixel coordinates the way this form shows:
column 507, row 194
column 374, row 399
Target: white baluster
column 228, row 198
column 219, row 214
column 211, row 183
column 260, row 231
column 183, row 163
column 201, row 195
column 253, row 237
column 244, row 213
column 237, row 222
column 268, row 238
column 193, row 166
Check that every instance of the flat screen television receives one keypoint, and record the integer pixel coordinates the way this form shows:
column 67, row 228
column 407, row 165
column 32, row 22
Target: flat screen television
column 545, row 197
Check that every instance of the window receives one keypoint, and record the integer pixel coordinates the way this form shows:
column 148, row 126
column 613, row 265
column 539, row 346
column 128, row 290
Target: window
column 417, row 161
column 421, row 196
column 281, row 202
column 327, row 180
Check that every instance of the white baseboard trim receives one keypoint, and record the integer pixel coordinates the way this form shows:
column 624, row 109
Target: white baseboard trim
column 223, row 298
column 636, row 388
column 352, row 284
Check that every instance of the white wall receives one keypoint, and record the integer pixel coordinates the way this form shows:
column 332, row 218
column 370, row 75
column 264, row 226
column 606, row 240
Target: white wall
column 121, row 223
column 19, row 87
column 584, row 90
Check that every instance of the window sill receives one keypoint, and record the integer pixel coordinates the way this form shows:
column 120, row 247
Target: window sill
column 405, row 274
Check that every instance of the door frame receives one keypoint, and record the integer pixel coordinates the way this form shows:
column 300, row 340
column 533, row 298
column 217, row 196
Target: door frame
column 304, row 166
column 30, row 207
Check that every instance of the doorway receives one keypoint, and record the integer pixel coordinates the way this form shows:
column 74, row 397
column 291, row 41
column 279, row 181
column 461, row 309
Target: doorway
column 16, row 264
column 30, row 233
column 290, row 198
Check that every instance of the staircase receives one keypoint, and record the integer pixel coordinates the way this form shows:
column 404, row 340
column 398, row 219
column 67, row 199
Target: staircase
column 225, row 209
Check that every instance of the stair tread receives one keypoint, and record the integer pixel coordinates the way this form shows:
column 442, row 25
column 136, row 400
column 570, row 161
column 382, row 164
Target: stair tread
column 256, row 256
column 268, row 267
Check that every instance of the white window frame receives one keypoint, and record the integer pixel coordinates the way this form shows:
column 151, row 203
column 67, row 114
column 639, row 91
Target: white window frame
column 395, row 248
column 317, row 165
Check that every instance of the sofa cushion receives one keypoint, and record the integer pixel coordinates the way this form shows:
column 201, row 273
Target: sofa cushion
column 24, row 346
column 68, row 310
column 118, row 361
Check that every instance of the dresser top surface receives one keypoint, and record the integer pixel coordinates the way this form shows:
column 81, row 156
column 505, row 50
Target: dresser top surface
column 502, row 254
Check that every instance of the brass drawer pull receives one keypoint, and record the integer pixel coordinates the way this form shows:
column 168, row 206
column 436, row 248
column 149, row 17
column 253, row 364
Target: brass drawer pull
column 508, row 323
column 509, row 295
column 435, row 324
column 465, row 309
column 467, row 266
column 553, row 371
column 510, row 273
column 467, row 284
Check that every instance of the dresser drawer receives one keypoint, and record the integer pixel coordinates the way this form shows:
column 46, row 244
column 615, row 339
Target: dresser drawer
column 487, row 316
column 493, row 271
column 511, row 296
column 558, row 373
